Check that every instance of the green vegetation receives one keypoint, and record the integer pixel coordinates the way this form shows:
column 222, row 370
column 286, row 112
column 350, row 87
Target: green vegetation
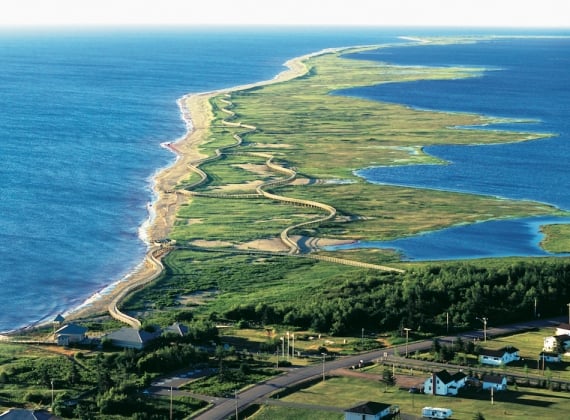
column 557, row 238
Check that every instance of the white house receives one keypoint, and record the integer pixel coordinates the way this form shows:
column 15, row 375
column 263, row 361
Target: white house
column 131, row 338
column 557, row 343
column 549, row 356
column 499, row 357
column 69, row 334
column 563, row 329
column 371, row 411
column 497, row 382
column 443, row 383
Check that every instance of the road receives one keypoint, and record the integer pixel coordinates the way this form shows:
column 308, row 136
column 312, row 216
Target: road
column 224, row 408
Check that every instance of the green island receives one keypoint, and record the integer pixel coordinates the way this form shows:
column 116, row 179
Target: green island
column 244, row 263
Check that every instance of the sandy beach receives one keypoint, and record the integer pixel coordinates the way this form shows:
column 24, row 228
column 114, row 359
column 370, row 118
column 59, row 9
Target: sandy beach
column 197, row 113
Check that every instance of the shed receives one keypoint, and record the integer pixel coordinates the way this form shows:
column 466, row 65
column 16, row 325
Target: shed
column 370, row 410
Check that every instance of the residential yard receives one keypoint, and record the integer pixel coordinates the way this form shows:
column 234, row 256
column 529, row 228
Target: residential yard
column 344, row 392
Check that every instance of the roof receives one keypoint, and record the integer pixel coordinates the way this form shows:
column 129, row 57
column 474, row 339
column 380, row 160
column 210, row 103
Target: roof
column 564, row 326
column 179, row 329
column 493, row 379
column 499, row 353
column 562, row 338
column 548, row 354
column 444, row 376
column 71, row 329
column 59, row 318
column 132, row 335
column 21, row 414
column 369, row 407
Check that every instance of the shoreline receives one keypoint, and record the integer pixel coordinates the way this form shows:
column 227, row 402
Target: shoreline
column 197, row 115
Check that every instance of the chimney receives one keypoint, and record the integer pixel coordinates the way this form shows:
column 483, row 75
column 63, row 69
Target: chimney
column 433, row 383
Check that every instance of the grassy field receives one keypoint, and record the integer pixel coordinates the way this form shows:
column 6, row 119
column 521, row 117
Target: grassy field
column 344, row 392
column 557, row 238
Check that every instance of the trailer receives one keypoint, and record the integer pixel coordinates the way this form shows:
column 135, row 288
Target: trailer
column 436, row 413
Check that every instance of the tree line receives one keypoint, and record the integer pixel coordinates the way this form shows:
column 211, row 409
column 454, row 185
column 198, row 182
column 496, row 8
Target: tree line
column 430, row 298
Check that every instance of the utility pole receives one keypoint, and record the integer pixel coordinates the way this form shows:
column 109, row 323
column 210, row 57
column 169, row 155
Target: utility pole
column 484, row 321
column 236, row 396
column 407, row 332
column 171, row 403
column 324, row 354
column 362, row 339
column 288, row 345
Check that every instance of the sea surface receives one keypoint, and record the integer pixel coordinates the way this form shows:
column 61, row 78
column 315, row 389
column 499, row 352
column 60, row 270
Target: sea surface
column 82, row 117
column 527, row 79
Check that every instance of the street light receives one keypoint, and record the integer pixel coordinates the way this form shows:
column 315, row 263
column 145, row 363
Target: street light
column 407, row 332
column 362, row 339
column 484, row 321
column 568, row 312
column 324, row 354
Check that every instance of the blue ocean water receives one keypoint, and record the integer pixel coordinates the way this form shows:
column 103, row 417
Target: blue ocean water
column 527, row 79
column 82, row 116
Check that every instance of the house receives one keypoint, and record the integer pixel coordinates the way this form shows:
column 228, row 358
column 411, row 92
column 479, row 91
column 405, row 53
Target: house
column 497, row 382
column 371, row 411
column 21, row 414
column 443, row 383
column 499, row 357
column 69, row 334
column 557, row 343
column 549, row 356
column 178, row 329
column 563, row 329
column 131, row 338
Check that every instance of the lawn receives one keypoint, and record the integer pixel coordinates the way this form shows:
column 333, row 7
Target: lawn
column 344, row 392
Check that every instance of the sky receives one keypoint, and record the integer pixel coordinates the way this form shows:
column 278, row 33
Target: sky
column 457, row 13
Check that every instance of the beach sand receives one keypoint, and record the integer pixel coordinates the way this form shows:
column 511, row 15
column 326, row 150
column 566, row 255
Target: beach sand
column 197, row 113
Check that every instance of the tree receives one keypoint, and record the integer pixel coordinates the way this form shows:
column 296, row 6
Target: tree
column 478, row 416
column 388, row 377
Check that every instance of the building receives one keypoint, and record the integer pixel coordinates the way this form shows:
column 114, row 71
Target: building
column 70, row 334
column 549, row 356
column 556, row 343
column 497, row 382
column 443, row 383
column 131, row 338
column 178, row 329
column 21, row 414
column 563, row 329
column 499, row 357
column 371, row 411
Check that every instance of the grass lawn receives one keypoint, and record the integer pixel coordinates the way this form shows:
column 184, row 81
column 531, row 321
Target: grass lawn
column 344, row 392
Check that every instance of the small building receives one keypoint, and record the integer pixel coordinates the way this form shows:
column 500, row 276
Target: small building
column 499, row 357
column 70, row 334
column 22, row 414
column 178, row 329
column 556, row 343
column 549, row 356
column 371, row 411
column 131, row 338
column 443, row 383
column 563, row 329
column 497, row 382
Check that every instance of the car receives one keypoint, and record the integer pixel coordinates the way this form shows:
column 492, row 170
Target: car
column 414, row 390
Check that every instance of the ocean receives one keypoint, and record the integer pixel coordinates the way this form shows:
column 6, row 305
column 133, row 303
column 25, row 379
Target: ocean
column 82, row 117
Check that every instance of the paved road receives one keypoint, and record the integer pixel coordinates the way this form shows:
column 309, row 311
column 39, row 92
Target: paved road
column 224, row 408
